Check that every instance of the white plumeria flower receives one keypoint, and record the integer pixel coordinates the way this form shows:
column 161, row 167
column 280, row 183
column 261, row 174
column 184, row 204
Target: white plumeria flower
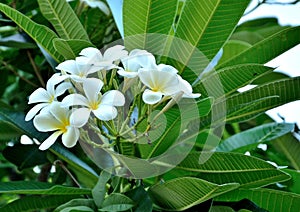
column 45, row 97
column 136, row 59
column 102, row 106
column 187, row 89
column 162, row 81
column 57, row 119
column 77, row 69
column 94, row 57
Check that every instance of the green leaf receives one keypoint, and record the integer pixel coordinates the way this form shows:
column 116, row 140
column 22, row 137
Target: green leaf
column 77, row 209
column 266, row 49
column 117, row 202
column 75, row 163
column 151, row 16
column 70, row 48
column 249, row 139
column 206, row 25
column 64, row 20
column 25, row 156
column 270, row 77
column 293, row 184
column 19, row 45
column 246, row 105
column 142, row 201
column 271, row 200
column 290, row 147
column 30, row 187
column 224, row 168
column 34, row 203
column 76, row 203
column 39, row 33
column 231, row 79
column 99, row 190
column 182, row 193
column 232, row 48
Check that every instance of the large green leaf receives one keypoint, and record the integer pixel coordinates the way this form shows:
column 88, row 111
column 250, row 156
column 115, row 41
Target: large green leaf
column 64, row 20
column 249, row 139
column 99, row 190
column 141, row 199
column 290, row 147
column 246, row 105
column 205, row 25
column 231, row 78
column 70, row 48
column 34, row 203
column 41, row 34
column 266, row 49
column 117, row 202
column 271, row 200
column 76, row 204
column 223, row 168
column 182, row 193
column 151, row 16
column 22, row 187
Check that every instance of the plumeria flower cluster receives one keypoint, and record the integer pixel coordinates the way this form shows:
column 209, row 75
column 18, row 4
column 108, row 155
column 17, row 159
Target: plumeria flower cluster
column 81, row 92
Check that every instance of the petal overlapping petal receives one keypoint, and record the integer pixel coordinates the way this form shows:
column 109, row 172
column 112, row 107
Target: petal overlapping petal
column 105, row 112
column 113, row 98
column 80, row 117
column 40, row 95
column 70, row 137
column 46, row 122
column 115, row 53
column 33, row 111
column 75, row 99
column 92, row 87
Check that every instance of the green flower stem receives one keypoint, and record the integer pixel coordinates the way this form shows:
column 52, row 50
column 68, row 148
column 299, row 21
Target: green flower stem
column 112, row 76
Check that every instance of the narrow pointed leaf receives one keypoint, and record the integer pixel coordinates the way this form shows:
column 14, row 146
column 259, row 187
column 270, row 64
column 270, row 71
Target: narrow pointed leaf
column 249, row 139
column 39, row 33
column 271, row 200
column 182, row 193
column 141, row 17
column 99, row 190
column 21, row 187
column 290, row 147
column 117, row 202
column 223, row 168
column 267, row 49
column 34, row 203
column 63, row 18
column 206, row 25
column 231, row 78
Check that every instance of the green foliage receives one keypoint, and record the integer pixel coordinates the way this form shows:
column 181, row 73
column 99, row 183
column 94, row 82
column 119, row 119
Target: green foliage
column 36, row 35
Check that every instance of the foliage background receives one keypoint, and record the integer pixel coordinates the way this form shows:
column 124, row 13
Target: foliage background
column 25, row 67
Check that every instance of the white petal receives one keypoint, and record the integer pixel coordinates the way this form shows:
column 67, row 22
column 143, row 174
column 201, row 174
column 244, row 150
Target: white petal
column 113, row 98
column 187, row 88
column 62, row 88
column 92, row 87
column 164, row 82
column 46, row 122
column 167, row 68
column 80, row 117
column 115, row 53
column 54, row 80
column 70, row 138
column 144, row 58
column 60, row 113
column 74, row 99
column 105, row 112
column 50, row 141
column 127, row 74
column 68, row 66
column 39, row 95
column 151, row 97
column 92, row 53
column 33, row 111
